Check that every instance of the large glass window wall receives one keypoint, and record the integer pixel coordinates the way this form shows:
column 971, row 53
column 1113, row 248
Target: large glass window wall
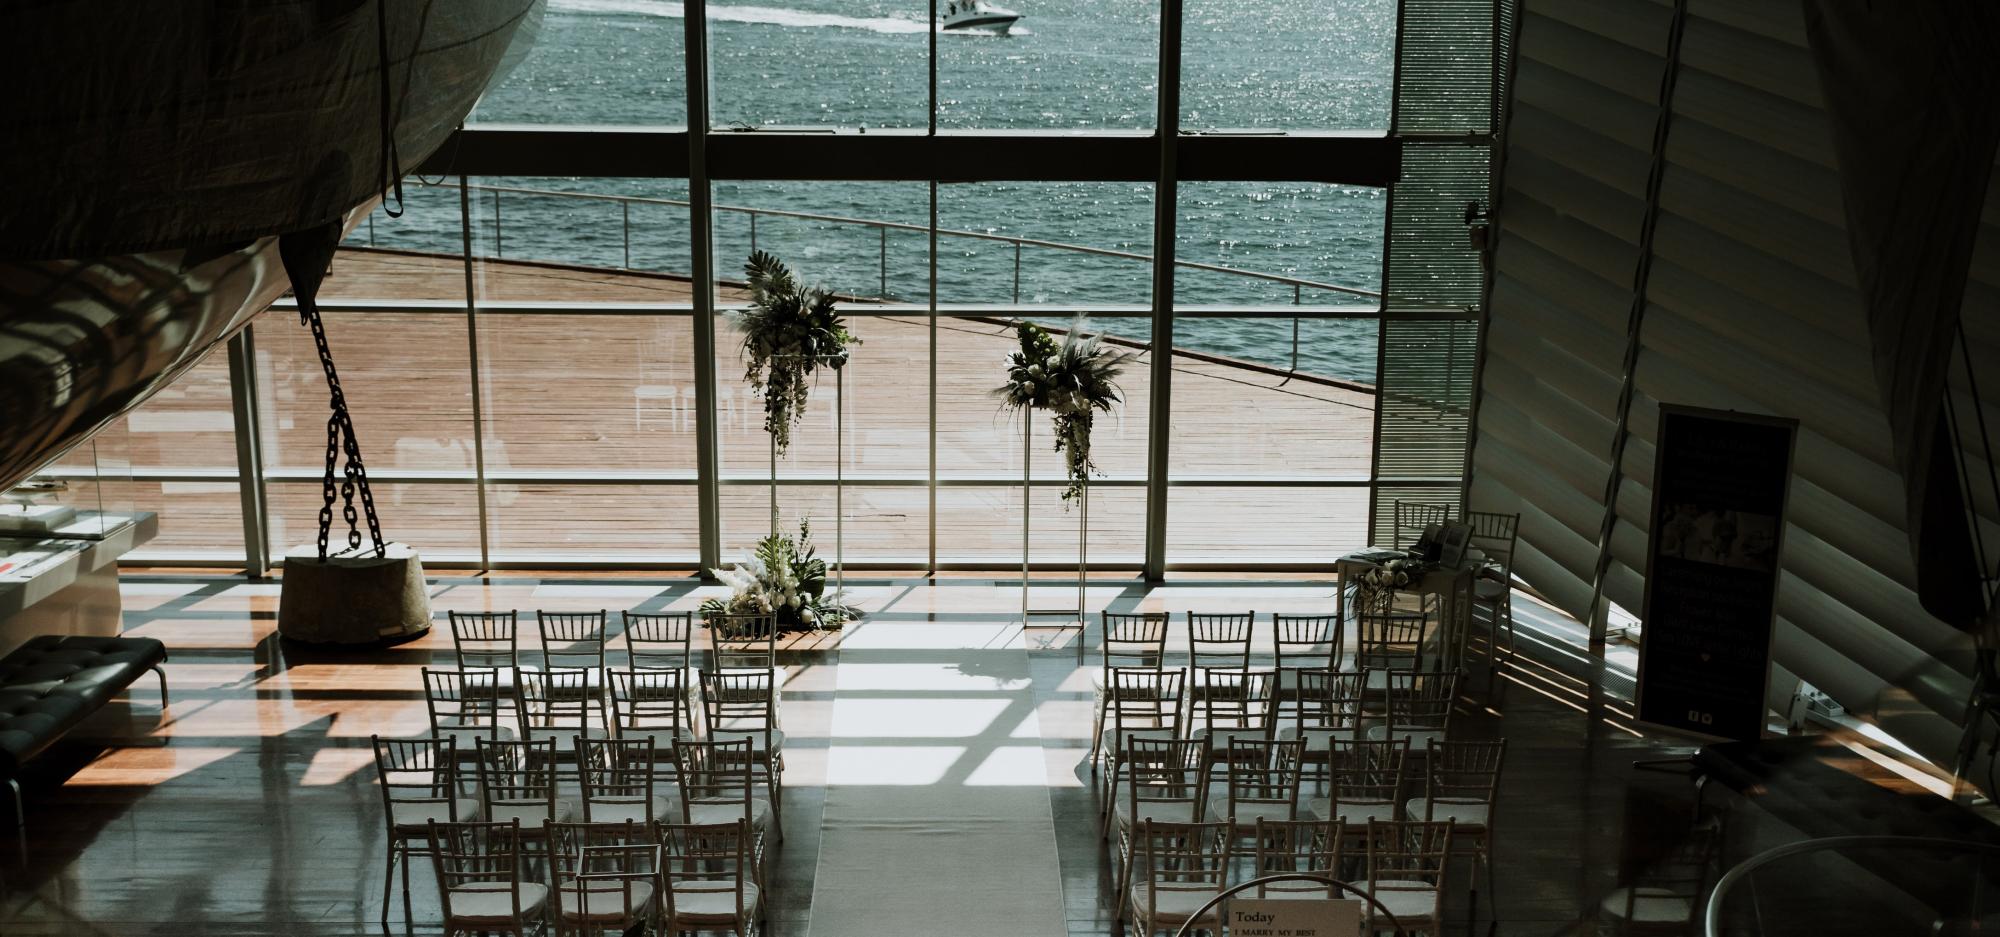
column 526, row 356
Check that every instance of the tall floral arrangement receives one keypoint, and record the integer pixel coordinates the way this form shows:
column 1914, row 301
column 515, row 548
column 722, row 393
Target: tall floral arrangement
column 783, row 578
column 1072, row 381
column 788, row 332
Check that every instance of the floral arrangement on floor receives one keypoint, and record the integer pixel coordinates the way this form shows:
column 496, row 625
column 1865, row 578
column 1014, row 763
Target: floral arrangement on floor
column 1072, row 381
column 1375, row 583
column 788, row 332
column 783, row 578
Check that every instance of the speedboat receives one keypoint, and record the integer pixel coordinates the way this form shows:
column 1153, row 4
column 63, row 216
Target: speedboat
column 977, row 14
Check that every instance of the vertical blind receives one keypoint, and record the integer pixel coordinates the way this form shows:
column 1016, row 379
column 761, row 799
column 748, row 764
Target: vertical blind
column 1750, row 303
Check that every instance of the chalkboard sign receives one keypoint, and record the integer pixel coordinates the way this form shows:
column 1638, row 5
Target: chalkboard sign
column 1720, row 481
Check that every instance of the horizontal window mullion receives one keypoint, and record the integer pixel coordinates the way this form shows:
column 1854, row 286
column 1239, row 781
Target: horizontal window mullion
column 861, row 307
column 312, row 476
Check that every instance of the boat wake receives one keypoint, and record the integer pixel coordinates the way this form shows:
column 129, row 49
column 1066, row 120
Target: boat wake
column 740, row 14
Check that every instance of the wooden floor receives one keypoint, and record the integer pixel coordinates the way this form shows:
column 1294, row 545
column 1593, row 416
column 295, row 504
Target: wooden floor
column 249, row 806
column 611, row 398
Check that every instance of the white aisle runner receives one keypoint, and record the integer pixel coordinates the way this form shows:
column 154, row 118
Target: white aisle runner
column 937, row 806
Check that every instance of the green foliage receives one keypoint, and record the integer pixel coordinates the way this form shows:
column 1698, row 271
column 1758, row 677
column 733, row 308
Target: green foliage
column 788, row 332
column 1072, row 381
column 785, row 578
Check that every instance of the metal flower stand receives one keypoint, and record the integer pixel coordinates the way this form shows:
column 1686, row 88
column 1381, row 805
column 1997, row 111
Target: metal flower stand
column 1082, row 541
column 839, row 474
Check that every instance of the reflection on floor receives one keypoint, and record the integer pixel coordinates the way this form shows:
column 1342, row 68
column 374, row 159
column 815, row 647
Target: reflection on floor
column 935, row 771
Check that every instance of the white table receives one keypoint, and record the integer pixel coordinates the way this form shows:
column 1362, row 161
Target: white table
column 1451, row 585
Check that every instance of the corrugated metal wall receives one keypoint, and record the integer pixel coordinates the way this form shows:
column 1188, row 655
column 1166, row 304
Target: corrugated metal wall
column 1749, row 303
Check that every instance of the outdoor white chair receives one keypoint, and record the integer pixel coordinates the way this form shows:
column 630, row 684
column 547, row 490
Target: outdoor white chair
column 655, row 397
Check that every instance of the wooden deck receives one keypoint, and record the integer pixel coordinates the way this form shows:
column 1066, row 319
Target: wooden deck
column 610, row 398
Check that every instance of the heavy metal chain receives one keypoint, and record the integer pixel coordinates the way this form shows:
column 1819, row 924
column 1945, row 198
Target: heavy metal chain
column 340, row 441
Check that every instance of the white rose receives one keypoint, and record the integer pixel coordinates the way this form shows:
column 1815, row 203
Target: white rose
column 806, row 615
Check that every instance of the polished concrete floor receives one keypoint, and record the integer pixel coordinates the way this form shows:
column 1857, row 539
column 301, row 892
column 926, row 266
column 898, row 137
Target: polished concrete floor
column 249, row 806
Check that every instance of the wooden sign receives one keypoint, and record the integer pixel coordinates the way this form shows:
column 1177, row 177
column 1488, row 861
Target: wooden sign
column 1720, row 481
column 1296, row 917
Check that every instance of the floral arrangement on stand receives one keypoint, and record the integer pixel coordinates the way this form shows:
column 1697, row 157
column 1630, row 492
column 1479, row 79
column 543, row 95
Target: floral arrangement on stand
column 788, row 332
column 1072, row 381
column 1379, row 583
column 783, row 578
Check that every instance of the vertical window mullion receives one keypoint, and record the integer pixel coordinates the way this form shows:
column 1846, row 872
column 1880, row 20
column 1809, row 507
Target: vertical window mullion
column 472, row 373
column 1165, row 204
column 701, row 260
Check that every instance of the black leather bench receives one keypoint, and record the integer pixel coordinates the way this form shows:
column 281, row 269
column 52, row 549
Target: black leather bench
column 52, row 682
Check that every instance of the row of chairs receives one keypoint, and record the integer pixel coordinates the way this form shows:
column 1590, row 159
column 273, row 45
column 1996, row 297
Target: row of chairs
column 659, row 823
column 1172, row 780
column 1233, row 746
column 582, row 640
column 561, row 708
column 694, row 801
column 1223, row 643
column 476, row 702
column 1174, row 870
column 1325, row 705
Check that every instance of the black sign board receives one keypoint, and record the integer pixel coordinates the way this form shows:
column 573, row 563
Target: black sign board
column 1720, row 480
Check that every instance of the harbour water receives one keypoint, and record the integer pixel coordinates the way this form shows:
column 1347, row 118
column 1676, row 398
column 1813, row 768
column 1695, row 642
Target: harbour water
column 1073, row 65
